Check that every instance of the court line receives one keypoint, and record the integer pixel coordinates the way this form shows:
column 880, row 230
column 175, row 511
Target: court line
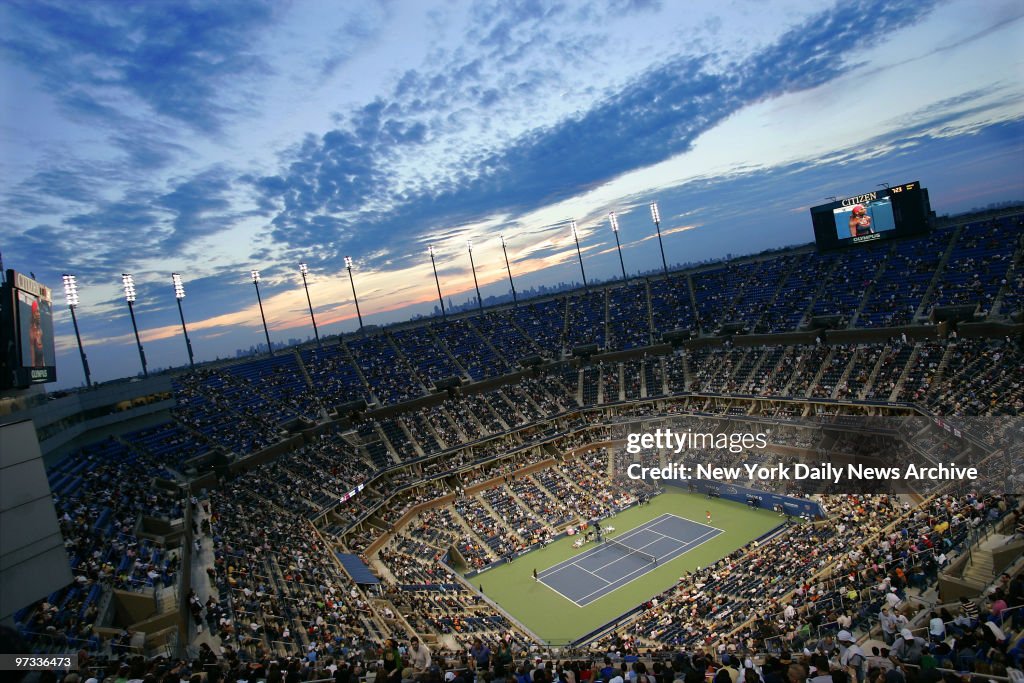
column 671, row 555
column 647, row 526
column 608, row 589
column 690, row 521
column 592, row 551
column 598, row 576
column 559, row 592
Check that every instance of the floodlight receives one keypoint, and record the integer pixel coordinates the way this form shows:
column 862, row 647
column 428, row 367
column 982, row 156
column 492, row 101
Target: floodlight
column 70, row 289
column 128, row 281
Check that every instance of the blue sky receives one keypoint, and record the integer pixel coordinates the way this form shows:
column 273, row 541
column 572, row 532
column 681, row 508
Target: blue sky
column 214, row 138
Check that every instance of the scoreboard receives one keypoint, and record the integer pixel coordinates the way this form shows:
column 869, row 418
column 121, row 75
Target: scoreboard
column 26, row 333
column 889, row 213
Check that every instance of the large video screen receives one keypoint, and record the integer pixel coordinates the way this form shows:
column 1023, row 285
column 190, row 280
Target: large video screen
column 35, row 325
column 897, row 211
column 26, row 318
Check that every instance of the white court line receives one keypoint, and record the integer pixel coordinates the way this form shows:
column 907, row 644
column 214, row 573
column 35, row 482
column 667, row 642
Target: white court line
column 593, row 551
column 647, row 526
column 598, row 576
column 561, row 593
column 671, row 556
column 671, row 538
column 691, row 521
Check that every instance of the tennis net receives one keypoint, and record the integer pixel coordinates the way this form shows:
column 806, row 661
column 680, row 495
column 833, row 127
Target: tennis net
column 633, row 551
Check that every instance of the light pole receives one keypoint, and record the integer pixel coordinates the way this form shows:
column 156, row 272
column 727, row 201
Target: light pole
column 579, row 254
column 656, row 217
column 128, row 281
column 433, row 264
column 479, row 299
column 256, row 281
column 303, row 269
column 179, row 294
column 71, row 296
column 348, row 265
column 615, row 228
column 515, row 301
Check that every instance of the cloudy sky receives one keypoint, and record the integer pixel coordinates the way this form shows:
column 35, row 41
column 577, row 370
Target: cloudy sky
column 211, row 138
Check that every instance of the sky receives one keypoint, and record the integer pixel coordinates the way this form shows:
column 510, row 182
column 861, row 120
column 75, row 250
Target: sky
column 214, row 138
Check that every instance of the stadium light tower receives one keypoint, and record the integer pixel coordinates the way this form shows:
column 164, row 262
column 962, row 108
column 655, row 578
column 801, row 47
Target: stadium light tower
column 479, row 299
column 128, row 281
column 303, row 269
column 71, row 296
column 515, row 301
column 348, row 265
column 256, row 281
column 614, row 220
column 179, row 294
column 433, row 264
column 579, row 253
column 656, row 217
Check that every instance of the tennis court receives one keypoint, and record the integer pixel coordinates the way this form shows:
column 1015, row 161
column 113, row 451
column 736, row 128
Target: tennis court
column 607, row 567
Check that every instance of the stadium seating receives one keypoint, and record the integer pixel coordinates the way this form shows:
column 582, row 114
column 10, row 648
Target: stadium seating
column 473, row 477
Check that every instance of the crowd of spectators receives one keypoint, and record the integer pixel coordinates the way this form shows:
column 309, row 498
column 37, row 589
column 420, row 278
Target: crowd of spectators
column 280, row 588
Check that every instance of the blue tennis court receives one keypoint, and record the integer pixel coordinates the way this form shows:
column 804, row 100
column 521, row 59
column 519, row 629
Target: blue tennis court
column 595, row 573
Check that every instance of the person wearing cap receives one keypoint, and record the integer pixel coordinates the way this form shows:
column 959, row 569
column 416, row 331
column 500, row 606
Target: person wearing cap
column 908, row 648
column 851, row 657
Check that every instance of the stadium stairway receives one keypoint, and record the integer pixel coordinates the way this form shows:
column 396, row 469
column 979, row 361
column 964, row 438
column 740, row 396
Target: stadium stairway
column 1011, row 275
column 873, row 375
column 779, row 289
column 693, row 300
column 650, row 311
column 503, row 521
column 883, row 263
column 308, row 381
column 511, row 362
column 905, row 374
column 921, row 314
column 841, row 383
column 443, row 348
column 940, row 371
column 467, row 531
column 823, row 285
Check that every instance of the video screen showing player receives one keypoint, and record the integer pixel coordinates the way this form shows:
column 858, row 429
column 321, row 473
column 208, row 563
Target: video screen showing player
column 864, row 219
column 36, row 322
